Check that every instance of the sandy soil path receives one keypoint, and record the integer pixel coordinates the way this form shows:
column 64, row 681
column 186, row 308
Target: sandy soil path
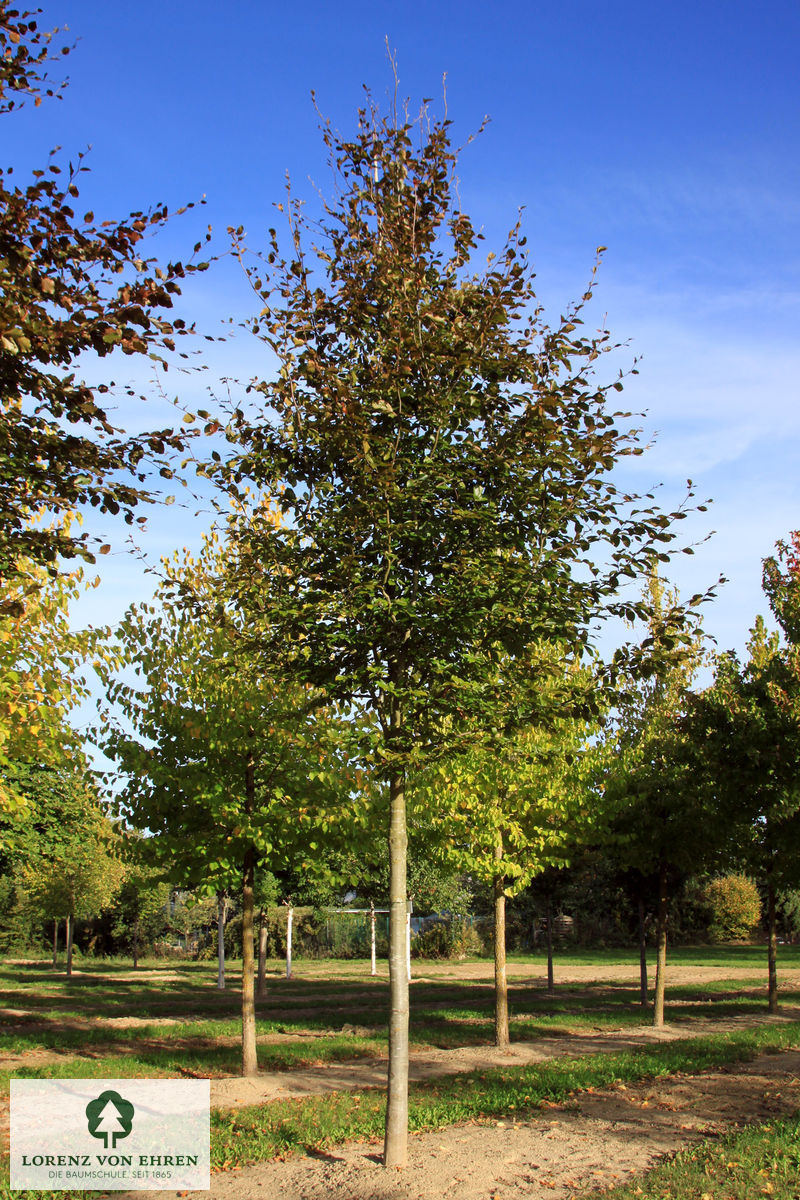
column 371, row 1073
column 595, row 1140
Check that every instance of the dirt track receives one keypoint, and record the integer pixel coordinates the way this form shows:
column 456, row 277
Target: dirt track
column 595, row 1140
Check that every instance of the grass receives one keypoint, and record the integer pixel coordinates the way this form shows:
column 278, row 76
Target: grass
column 264, row 1131
column 74, row 1018
column 697, row 956
column 303, row 1021
column 763, row 1160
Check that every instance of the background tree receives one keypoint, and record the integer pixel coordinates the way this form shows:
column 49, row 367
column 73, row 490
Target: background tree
column 42, row 678
column 444, row 458
column 141, row 908
column 508, row 810
column 61, row 851
column 69, row 286
column 749, row 723
column 222, row 765
column 654, row 789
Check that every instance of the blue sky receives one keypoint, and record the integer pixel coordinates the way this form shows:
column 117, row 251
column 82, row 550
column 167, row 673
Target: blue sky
column 668, row 134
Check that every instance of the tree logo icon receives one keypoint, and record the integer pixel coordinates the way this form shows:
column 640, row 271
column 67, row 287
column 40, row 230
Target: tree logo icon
column 110, row 1117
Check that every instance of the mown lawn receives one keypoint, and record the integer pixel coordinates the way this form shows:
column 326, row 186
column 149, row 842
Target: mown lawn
column 170, row 1020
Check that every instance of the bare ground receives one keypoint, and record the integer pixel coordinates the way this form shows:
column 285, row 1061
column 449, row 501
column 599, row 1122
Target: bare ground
column 597, row 1139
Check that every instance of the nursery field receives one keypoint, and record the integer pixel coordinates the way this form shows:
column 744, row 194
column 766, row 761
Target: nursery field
column 589, row 1092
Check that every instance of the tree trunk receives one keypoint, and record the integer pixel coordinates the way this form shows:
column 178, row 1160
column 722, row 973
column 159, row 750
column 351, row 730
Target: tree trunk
column 661, row 941
column 221, row 906
column 642, row 956
column 262, row 955
column 289, row 924
column 70, row 932
column 772, row 949
column 55, row 943
column 395, row 1147
column 373, row 964
column 548, row 908
column 249, row 1056
column 135, row 944
column 501, row 1035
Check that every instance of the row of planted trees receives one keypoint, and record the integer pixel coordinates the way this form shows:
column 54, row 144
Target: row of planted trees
column 677, row 781
column 423, row 535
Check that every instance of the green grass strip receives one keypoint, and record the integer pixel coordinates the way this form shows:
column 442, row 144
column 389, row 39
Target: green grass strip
column 260, row 1132
column 761, row 1161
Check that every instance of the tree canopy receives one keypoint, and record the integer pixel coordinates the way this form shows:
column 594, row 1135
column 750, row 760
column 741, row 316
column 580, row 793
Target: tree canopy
column 70, row 284
column 42, row 674
column 228, row 766
column 444, row 458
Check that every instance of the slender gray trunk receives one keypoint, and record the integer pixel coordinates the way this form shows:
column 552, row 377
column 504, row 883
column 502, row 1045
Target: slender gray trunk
column 221, row 906
column 395, row 1151
column 642, row 956
column 70, row 934
column 374, row 967
column 289, row 931
column 772, row 948
column 249, row 1054
column 261, row 989
column 136, row 943
column 551, row 986
column 55, row 943
column 661, row 941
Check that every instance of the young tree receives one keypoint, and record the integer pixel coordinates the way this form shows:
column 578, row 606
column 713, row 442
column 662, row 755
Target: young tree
column 142, row 904
column 41, row 675
column 69, row 286
column 507, row 810
column 749, row 723
column 655, row 799
column 444, row 459
column 79, row 881
column 224, row 766
column 60, row 850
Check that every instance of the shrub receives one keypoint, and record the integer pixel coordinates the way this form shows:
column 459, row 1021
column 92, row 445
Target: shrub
column 735, row 907
column 453, row 938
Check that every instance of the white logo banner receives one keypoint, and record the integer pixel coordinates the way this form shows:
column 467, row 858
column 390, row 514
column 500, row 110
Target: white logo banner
column 110, row 1134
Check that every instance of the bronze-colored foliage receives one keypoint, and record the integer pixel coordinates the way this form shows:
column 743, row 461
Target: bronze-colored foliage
column 443, row 456
column 69, row 284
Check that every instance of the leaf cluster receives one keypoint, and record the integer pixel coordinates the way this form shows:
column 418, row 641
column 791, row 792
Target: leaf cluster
column 216, row 754
column 442, row 454
column 42, row 671
column 62, row 852
column 749, row 723
column 69, row 284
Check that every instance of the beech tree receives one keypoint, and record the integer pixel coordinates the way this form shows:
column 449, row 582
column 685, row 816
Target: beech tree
column 227, row 768
column 749, row 724
column 443, row 457
column 70, row 285
column 507, row 810
column 42, row 661
column 656, row 795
